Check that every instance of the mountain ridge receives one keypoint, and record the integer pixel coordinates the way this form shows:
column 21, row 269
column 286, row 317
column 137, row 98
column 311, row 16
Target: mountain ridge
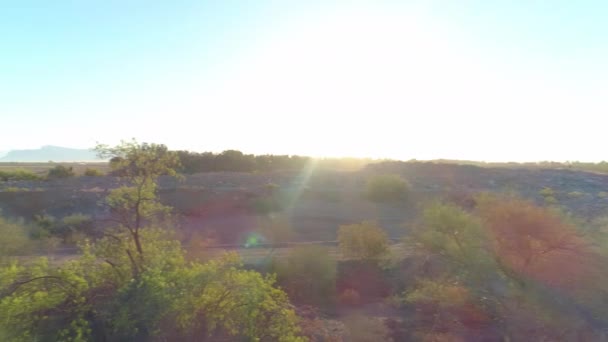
column 50, row 153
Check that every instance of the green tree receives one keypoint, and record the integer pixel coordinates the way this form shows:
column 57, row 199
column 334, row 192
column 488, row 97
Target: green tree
column 135, row 204
column 222, row 298
column 458, row 239
column 448, row 297
column 134, row 284
column 496, row 268
column 363, row 241
column 232, row 160
column 41, row 303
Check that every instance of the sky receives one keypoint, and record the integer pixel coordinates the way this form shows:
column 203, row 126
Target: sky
column 512, row 80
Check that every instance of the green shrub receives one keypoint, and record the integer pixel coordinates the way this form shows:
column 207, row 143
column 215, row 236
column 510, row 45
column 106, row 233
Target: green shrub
column 14, row 238
column 19, row 174
column 550, row 200
column 546, row 192
column 361, row 328
column 363, row 241
column 93, row 173
column 271, row 188
column 266, row 205
column 576, row 194
column 307, row 274
column 60, row 171
column 15, row 189
column 72, row 228
column 385, row 188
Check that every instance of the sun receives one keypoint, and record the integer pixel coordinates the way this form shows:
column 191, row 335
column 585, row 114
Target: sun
column 341, row 84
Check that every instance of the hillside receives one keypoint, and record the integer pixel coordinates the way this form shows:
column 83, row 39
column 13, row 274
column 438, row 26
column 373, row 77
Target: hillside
column 227, row 204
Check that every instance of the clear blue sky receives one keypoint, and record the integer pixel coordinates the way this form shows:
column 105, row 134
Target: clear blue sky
column 488, row 80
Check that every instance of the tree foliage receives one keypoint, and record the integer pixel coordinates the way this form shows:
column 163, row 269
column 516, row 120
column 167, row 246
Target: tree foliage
column 13, row 238
column 134, row 284
column 140, row 162
column 60, row 171
column 237, row 161
column 496, row 271
column 308, row 275
column 90, row 172
column 221, row 296
column 18, row 175
column 363, row 241
column 135, row 204
column 535, row 241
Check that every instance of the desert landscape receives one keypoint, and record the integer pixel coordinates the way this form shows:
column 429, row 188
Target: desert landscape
column 273, row 218
column 303, row 171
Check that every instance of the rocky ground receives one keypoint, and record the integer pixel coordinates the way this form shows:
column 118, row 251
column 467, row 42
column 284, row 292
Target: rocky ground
column 315, row 203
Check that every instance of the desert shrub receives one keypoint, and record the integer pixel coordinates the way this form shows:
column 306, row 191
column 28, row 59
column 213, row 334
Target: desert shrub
column 275, row 229
column 548, row 195
column 14, row 238
column 19, row 174
column 316, row 327
column 546, row 192
column 93, row 172
column 551, row 200
column 362, row 282
column 271, row 188
column 457, row 236
column 71, row 228
column 535, row 242
column 386, row 188
column 265, row 205
column 44, row 221
column 363, row 241
column 308, row 275
column 365, row 329
column 576, row 194
column 60, row 171
column 349, row 297
column 497, row 268
column 15, row 189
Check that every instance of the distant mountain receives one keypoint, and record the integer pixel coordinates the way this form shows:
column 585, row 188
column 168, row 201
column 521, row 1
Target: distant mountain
column 50, row 153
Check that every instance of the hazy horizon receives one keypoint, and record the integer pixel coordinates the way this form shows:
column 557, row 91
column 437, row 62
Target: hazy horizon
column 44, row 160
column 516, row 81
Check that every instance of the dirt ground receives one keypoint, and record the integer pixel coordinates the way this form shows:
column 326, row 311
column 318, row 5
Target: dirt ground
column 228, row 206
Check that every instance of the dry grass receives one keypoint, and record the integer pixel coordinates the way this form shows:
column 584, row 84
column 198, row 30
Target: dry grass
column 42, row 168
